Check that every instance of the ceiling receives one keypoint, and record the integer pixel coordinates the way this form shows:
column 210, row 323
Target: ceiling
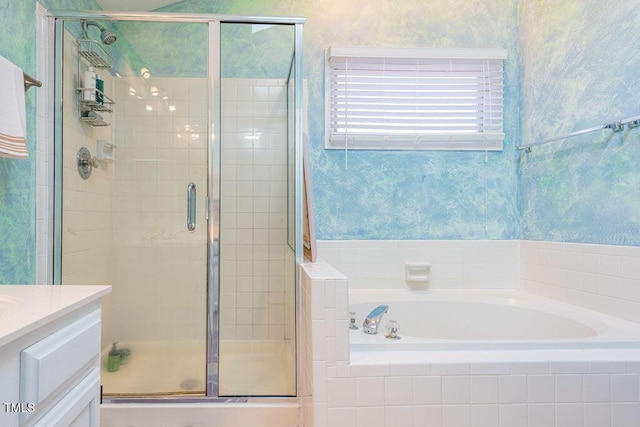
column 137, row 5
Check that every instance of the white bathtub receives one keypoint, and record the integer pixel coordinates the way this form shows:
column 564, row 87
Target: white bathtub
column 481, row 320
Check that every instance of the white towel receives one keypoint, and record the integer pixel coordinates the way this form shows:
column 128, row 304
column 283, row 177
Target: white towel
column 13, row 123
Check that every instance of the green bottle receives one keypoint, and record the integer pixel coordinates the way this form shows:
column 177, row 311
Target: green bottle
column 100, row 90
column 113, row 360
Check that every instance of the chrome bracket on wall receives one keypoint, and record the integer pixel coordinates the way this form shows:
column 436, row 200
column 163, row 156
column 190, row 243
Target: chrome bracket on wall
column 86, row 163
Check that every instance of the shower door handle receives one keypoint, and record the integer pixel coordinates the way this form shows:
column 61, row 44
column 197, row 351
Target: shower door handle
column 191, row 206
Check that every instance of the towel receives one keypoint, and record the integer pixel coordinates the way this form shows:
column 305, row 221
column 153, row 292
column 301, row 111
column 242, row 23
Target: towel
column 13, row 123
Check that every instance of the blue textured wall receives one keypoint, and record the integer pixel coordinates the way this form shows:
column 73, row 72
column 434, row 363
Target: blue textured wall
column 580, row 69
column 382, row 195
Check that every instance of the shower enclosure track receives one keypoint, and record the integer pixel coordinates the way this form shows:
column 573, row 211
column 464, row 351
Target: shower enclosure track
column 174, row 17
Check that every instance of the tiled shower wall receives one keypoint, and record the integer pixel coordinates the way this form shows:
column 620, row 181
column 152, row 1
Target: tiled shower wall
column 159, row 287
column 158, row 151
column 87, row 257
column 253, row 187
column 86, row 203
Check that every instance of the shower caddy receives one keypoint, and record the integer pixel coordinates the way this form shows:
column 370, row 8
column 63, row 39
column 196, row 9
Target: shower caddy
column 98, row 58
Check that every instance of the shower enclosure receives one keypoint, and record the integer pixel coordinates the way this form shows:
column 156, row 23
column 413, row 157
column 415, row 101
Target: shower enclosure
column 179, row 184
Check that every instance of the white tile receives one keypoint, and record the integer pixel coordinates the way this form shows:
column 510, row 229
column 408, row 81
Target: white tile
column 450, row 368
column 597, row 415
column 569, row 388
column 541, row 415
column 341, row 417
column 318, row 337
column 427, row 390
column 342, row 341
column 455, row 389
column 570, row 415
column 484, row 389
column 529, row 368
column 607, row 367
column 341, row 392
column 490, row 368
column 625, row 414
column 409, row 369
column 370, row 391
column 513, row 388
column 330, row 351
column 398, row 390
column 485, row 415
column 568, row 367
column 630, row 267
column 513, row 415
column 370, row 417
column 541, row 388
column 597, row 387
column 456, row 416
column 376, row 369
column 398, row 416
column 430, row 415
column 624, row 388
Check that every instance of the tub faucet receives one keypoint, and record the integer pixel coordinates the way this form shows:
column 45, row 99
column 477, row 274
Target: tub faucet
column 370, row 324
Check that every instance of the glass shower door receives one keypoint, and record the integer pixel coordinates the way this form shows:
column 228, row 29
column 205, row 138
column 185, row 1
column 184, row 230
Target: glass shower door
column 138, row 222
column 257, row 266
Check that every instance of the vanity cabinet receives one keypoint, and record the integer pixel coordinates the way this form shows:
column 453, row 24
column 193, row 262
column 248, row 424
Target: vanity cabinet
column 50, row 376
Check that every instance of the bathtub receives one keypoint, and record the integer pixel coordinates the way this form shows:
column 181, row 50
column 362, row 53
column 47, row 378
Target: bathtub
column 484, row 320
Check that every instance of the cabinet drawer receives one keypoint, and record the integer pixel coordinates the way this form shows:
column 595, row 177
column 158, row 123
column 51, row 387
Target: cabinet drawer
column 63, row 356
column 79, row 408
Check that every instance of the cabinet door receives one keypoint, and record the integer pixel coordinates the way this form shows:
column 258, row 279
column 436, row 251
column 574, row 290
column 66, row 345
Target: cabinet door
column 79, row 408
column 47, row 365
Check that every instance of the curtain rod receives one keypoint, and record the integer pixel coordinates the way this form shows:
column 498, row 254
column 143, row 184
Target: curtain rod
column 30, row 81
column 631, row 122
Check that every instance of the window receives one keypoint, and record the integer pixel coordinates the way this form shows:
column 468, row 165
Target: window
column 414, row 99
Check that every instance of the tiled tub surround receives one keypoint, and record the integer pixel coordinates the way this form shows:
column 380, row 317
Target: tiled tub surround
column 455, row 264
column 603, row 278
column 532, row 388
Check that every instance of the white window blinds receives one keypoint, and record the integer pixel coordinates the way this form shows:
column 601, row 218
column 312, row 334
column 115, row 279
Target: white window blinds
column 418, row 99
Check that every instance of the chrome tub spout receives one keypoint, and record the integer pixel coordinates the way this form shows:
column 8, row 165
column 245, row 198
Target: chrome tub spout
column 370, row 324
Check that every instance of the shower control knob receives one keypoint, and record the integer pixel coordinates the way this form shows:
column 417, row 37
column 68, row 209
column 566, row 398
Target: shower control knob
column 86, row 162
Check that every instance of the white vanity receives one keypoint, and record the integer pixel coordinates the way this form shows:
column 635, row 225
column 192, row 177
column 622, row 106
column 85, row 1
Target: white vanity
column 50, row 355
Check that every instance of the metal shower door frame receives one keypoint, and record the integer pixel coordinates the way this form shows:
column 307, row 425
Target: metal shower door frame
column 214, row 152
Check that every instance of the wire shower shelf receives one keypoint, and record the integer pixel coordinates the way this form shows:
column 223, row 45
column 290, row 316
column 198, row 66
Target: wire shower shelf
column 95, row 54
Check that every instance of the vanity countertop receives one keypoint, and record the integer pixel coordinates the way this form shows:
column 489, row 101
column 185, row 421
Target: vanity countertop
column 24, row 308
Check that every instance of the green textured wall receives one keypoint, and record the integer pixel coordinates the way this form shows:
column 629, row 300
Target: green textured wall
column 17, row 177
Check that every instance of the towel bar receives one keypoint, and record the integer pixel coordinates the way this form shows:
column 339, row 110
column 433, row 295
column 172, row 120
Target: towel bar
column 30, row 81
